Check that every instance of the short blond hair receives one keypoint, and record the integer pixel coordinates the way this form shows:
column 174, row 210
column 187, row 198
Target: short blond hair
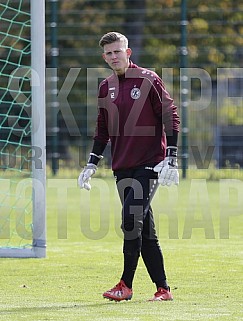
column 111, row 37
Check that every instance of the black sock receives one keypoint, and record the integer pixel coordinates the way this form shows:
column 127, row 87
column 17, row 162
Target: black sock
column 130, row 265
column 162, row 284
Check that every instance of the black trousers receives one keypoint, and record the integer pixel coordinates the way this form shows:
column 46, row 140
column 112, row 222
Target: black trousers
column 136, row 188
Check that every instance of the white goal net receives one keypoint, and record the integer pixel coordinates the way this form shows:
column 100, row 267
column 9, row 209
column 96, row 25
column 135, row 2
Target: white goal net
column 22, row 128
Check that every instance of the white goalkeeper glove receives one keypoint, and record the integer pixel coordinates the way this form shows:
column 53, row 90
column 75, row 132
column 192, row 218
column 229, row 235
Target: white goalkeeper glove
column 88, row 171
column 85, row 176
column 168, row 169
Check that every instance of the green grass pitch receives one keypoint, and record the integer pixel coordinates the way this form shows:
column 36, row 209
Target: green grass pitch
column 199, row 225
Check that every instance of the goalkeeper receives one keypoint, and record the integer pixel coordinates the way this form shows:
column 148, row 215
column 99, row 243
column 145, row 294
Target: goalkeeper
column 139, row 118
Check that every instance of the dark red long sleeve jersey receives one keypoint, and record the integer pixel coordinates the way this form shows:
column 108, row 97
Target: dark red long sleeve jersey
column 136, row 113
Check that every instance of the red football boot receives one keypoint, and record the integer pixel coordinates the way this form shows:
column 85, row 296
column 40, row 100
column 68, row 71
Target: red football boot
column 162, row 295
column 118, row 293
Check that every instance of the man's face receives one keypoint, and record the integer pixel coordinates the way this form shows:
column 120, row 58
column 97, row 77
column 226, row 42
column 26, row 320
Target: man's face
column 117, row 56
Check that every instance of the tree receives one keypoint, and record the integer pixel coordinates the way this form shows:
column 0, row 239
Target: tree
column 153, row 27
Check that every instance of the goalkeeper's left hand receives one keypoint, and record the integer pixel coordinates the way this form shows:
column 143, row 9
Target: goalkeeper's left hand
column 168, row 168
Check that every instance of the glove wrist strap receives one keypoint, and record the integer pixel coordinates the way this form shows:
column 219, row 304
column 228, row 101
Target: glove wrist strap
column 94, row 159
column 171, row 151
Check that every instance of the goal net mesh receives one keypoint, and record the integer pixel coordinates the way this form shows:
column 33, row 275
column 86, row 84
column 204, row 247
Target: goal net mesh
column 15, row 125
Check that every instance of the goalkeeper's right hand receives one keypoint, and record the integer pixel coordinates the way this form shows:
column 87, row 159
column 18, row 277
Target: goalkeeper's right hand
column 85, row 176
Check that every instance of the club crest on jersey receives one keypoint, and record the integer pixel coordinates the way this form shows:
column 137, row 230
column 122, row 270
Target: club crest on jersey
column 135, row 93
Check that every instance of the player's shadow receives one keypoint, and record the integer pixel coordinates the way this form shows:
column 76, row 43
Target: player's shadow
column 17, row 310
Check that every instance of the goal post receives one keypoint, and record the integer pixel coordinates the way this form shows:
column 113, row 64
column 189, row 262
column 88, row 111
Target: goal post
column 38, row 125
column 22, row 129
